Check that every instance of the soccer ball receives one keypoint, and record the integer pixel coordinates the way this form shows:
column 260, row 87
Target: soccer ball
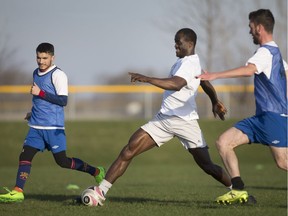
column 89, row 197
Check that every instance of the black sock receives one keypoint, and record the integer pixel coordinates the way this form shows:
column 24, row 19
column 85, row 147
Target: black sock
column 237, row 183
column 80, row 165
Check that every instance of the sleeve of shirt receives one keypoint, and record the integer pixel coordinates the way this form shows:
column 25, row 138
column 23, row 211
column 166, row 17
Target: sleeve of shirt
column 285, row 65
column 261, row 59
column 60, row 82
column 185, row 71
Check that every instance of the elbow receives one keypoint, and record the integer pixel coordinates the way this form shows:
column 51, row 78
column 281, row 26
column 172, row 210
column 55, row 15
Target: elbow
column 176, row 88
column 249, row 74
column 62, row 104
column 64, row 101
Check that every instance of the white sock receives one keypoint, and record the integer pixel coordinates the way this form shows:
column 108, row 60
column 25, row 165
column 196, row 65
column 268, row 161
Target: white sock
column 105, row 186
column 230, row 187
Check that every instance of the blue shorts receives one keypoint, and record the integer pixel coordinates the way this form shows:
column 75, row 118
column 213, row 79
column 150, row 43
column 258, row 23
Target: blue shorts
column 268, row 128
column 52, row 140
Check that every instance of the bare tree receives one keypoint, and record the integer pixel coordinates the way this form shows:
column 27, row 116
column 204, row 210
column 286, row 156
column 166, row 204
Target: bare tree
column 210, row 21
column 12, row 74
column 10, row 71
column 281, row 26
column 222, row 27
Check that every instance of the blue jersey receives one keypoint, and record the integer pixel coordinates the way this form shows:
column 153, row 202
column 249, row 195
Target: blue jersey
column 271, row 94
column 44, row 113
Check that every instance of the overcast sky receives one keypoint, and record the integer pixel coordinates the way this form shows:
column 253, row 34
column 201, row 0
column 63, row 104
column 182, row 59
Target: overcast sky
column 93, row 39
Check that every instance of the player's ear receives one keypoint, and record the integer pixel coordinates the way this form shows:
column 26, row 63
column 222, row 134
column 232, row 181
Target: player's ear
column 262, row 28
column 259, row 28
column 191, row 44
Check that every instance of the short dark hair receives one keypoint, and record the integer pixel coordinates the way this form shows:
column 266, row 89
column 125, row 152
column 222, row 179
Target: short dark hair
column 263, row 17
column 189, row 35
column 45, row 48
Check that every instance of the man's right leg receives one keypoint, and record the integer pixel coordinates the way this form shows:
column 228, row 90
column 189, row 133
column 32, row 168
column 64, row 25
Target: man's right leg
column 139, row 142
column 280, row 156
column 24, row 168
column 77, row 164
column 202, row 158
column 226, row 143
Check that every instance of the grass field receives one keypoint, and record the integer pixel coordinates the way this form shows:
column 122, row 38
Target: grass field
column 163, row 181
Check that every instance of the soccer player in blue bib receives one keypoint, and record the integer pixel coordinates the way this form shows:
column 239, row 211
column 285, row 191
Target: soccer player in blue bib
column 46, row 122
column 269, row 125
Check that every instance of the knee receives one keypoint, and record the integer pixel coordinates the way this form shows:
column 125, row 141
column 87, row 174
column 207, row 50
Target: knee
column 127, row 153
column 220, row 144
column 223, row 145
column 282, row 165
column 63, row 162
column 24, row 157
column 27, row 153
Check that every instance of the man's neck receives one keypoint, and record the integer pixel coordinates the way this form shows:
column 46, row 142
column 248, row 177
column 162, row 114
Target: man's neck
column 266, row 39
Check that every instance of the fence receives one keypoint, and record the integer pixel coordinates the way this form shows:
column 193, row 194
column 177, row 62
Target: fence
column 124, row 101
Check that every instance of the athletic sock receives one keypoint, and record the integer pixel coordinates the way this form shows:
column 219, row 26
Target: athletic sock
column 97, row 171
column 18, row 189
column 105, row 186
column 237, row 183
column 78, row 164
column 22, row 174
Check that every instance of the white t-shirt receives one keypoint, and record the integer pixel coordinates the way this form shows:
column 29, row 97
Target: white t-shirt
column 262, row 59
column 182, row 103
column 59, row 79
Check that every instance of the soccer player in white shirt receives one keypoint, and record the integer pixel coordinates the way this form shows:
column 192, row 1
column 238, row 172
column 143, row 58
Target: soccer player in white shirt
column 269, row 125
column 176, row 118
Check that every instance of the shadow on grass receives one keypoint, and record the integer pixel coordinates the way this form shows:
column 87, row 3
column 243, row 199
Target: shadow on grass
column 185, row 203
column 75, row 200
column 262, row 187
column 148, row 200
column 50, row 197
column 267, row 188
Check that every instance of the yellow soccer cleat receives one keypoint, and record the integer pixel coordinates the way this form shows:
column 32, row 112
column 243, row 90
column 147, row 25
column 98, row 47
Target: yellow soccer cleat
column 232, row 197
column 12, row 196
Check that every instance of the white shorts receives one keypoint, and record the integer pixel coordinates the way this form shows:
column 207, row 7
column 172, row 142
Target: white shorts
column 163, row 128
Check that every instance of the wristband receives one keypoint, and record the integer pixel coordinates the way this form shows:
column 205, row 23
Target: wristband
column 41, row 94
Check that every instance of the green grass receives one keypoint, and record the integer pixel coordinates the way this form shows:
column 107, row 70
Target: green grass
column 163, row 181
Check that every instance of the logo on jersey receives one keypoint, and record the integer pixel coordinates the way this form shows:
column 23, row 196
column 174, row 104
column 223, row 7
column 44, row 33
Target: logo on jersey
column 55, row 147
column 275, row 142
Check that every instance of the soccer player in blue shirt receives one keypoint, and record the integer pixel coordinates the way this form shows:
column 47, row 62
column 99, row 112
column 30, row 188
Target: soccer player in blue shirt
column 46, row 122
column 269, row 125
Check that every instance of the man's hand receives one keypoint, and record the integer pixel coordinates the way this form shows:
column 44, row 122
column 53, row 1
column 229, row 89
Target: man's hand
column 220, row 110
column 206, row 75
column 35, row 90
column 28, row 116
column 138, row 77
